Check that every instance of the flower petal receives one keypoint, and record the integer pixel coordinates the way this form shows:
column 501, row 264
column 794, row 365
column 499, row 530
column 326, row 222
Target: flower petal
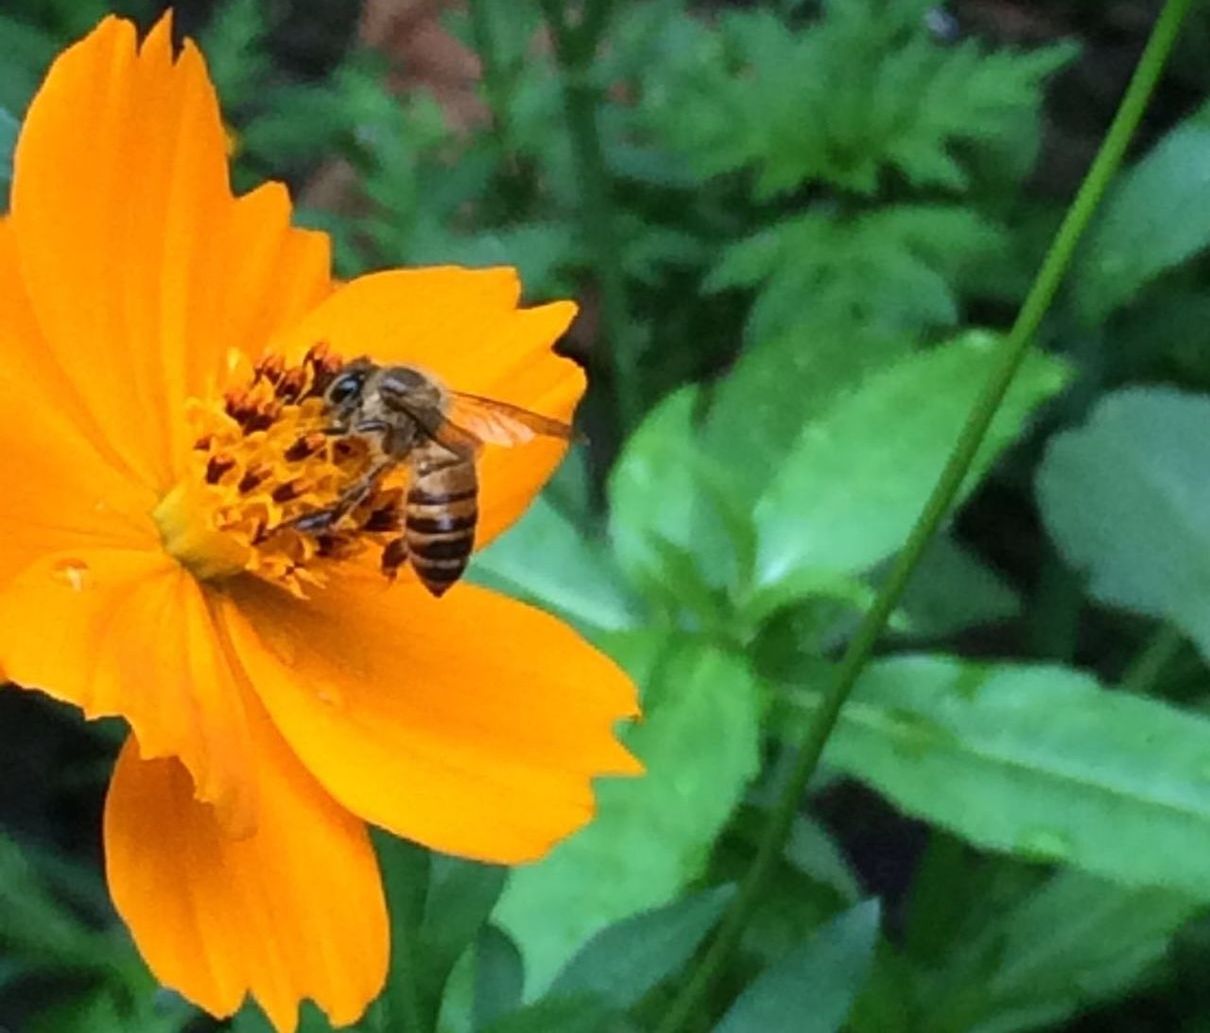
column 464, row 327
column 472, row 724
column 275, row 275
column 63, row 490
column 128, row 633
column 293, row 911
column 59, row 494
column 130, row 246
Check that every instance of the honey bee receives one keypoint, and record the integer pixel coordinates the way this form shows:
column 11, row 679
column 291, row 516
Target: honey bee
column 410, row 418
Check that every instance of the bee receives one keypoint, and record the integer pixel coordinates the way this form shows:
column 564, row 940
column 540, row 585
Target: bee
column 411, row 418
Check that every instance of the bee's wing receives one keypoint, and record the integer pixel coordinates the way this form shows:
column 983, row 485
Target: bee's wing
column 453, row 438
column 498, row 423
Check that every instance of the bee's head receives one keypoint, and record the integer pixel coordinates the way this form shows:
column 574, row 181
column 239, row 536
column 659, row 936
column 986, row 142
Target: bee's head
column 343, row 396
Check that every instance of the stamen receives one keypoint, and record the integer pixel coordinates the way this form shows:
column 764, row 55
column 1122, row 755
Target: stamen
column 305, row 447
column 251, row 479
column 263, row 474
column 217, row 466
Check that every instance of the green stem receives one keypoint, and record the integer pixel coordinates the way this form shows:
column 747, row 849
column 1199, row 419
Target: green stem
column 408, row 1011
column 860, row 649
column 575, row 48
column 495, row 85
column 592, row 24
column 406, row 869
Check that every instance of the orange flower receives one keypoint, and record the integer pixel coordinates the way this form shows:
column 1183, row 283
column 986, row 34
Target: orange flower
column 159, row 340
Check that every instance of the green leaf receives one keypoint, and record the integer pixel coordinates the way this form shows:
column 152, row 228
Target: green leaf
column 811, row 849
column 851, row 489
column 776, row 386
column 813, row 988
column 545, row 559
column 1075, row 941
column 234, row 44
column 561, row 1015
column 251, row 1019
column 537, row 250
column 100, row 1012
column 461, row 895
column 651, row 489
column 885, row 95
column 1127, row 499
column 669, row 509
column 888, row 273
column 28, row 50
column 996, row 945
column 8, row 140
column 953, row 589
column 36, row 927
column 438, row 906
column 499, row 976
column 1155, row 218
column 652, row 835
column 1036, row 761
column 624, row 961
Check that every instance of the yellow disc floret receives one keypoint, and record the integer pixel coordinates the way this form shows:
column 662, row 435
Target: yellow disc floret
column 261, row 462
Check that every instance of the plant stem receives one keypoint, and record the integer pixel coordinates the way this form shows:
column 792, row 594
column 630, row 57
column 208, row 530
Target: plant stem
column 1041, row 294
column 407, row 1010
column 406, row 869
column 495, row 85
column 593, row 21
column 575, row 49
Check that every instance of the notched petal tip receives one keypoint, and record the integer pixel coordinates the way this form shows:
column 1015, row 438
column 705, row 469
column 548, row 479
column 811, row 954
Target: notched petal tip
column 472, row 724
column 294, row 912
column 557, row 316
column 158, row 44
column 464, row 327
column 163, row 276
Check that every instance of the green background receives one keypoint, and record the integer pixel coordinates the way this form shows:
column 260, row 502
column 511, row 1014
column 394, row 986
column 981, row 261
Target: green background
column 798, row 232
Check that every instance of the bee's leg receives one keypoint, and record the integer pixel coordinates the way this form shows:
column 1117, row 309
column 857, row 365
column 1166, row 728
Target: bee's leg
column 394, row 556
column 318, row 521
column 321, row 520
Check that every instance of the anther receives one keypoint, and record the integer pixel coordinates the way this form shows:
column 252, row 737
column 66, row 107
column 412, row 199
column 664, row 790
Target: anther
column 261, row 418
column 217, row 466
column 305, row 447
column 292, row 384
column 270, row 368
column 286, row 492
column 252, row 479
column 237, row 401
column 324, row 365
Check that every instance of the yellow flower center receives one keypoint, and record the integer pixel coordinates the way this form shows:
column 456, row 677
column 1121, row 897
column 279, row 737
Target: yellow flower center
column 262, row 461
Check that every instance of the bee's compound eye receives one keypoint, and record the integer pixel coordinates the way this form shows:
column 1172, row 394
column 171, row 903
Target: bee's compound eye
column 345, row 387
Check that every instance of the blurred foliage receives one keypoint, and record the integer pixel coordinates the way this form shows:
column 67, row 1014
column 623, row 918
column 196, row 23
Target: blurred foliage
column 823, row 216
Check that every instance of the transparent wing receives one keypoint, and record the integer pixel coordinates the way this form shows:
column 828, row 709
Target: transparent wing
column 498, row 423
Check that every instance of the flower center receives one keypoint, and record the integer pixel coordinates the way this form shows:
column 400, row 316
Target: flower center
column 261, row 463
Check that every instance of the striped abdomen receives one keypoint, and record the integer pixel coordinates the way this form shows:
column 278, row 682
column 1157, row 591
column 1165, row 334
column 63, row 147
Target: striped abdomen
column 440, row 516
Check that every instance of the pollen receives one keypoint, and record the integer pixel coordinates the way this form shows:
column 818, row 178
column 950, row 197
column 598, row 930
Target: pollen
column 262, row 463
